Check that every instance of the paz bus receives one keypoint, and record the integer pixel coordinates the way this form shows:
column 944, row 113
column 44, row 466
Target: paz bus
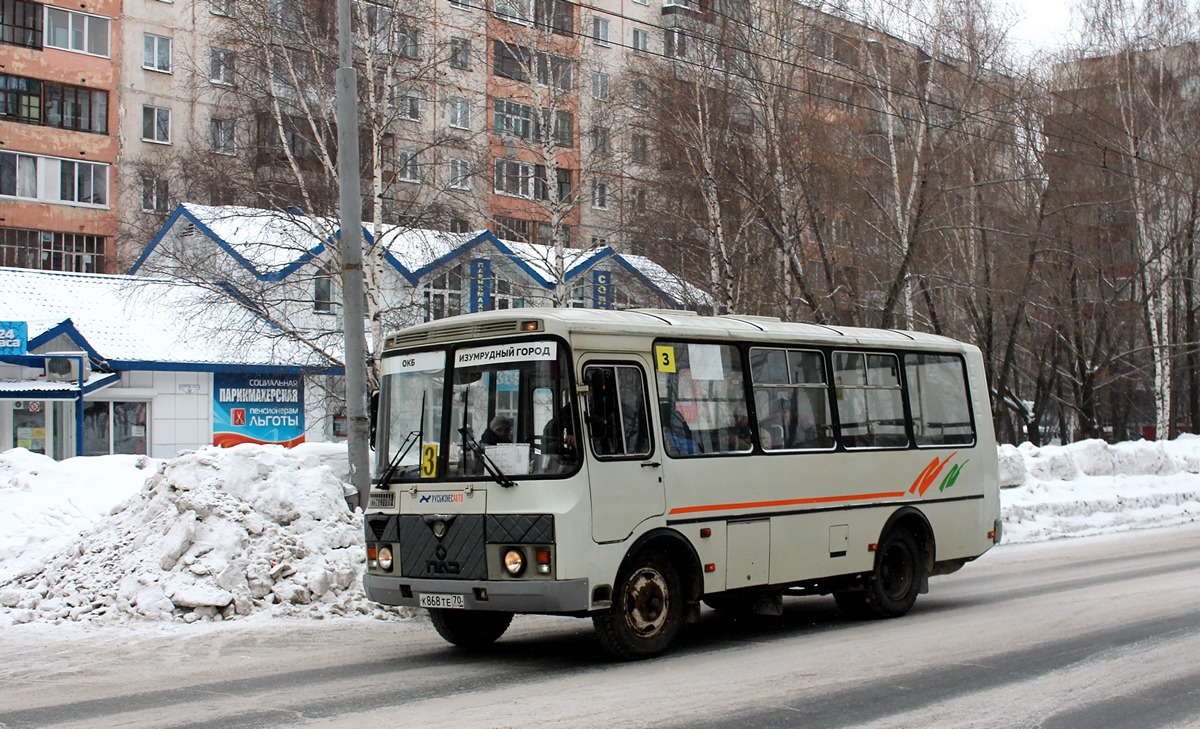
column 629, row 466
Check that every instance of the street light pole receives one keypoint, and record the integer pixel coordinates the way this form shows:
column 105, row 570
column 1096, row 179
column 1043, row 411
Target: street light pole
column 350, row 202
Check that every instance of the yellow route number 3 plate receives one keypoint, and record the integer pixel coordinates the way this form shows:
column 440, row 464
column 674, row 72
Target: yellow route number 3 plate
column 664, row 356
column 429, row 453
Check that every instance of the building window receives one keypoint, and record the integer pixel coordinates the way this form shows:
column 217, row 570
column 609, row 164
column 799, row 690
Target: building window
column 83, row 182
column 221, row 66
column 514, row 11
column 156, row 53
column 408, row 41
column 557, row 15
column 461, row 4
column 599, row 85
column 115, row 427
column 407, row 103
column 18, row 175
column 406, row 166
column 555, row 71
column 641, row 40
column 460, row 113
column 60, row 180
column 156, row 124
column 564, row 128
column 460, row 225
column 541, row 189
column 599, row 195
column 510, row 61
column 223, row 140
column 443, row 295
column 600, row 140
column 514, row 178
column 513, row 119
column 460, row 174
column 21, row 23
column 511, row 228
column 639, row 146
column 460, row 53
column 155, row 195
column 73, row 107
column 323, row 290
column 225, row 8
column 674, row 43
column 51, row 251
column 20, row 99
column 600, row 31
column 77, row 32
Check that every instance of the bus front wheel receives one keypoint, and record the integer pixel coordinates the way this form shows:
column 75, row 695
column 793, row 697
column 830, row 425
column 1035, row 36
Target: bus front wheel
column 647, row 609
column 469, row 629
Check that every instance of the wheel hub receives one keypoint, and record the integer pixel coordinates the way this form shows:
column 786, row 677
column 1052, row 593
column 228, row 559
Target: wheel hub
column 646, row 599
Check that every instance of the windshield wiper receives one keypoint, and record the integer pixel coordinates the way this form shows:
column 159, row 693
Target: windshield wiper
column 409, row 441
column 488, row 464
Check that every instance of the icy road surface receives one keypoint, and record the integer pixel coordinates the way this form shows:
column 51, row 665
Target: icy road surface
column 1095, row 631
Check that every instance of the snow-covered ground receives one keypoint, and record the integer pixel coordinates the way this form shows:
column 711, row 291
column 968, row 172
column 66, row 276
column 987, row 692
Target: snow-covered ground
column 264, row 531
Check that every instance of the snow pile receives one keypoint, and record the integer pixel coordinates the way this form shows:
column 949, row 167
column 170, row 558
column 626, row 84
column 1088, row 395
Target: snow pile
column 213, row 534
column 44, row 504
column 1092, row 487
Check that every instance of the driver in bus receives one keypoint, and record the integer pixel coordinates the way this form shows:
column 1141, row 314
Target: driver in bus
column 500, row 431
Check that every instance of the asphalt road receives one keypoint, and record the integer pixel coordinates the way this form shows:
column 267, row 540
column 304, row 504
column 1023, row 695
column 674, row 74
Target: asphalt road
column 1093, row 632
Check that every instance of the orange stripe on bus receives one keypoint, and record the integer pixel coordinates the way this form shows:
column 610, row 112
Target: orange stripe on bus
column 785, row 502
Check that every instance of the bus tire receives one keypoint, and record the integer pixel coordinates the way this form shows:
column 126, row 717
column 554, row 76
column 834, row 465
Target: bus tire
column 647, row 610
column 469, row 629
column 899, row 573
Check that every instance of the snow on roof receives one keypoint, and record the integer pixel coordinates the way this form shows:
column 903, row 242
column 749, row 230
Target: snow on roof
column 673, row 286
column 272, row 244
column 128, row 319
column 269, row 241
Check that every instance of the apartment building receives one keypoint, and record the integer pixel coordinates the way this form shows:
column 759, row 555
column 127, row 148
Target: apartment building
column 60, row 68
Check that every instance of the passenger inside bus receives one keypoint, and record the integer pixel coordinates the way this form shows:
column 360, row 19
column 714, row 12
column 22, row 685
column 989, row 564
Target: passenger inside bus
column 677, row 435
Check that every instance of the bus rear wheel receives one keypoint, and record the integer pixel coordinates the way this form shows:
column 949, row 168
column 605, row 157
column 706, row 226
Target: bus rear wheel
column 469, row 629
column 891, row 590
column 647, row 610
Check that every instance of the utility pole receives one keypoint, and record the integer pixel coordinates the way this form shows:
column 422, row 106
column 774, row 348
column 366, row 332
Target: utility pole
column 350, row 202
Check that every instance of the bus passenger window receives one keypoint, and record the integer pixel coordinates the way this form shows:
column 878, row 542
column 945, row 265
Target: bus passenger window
column 869, row 400
column 791, row 399
column 702, row 400
column 616, row 414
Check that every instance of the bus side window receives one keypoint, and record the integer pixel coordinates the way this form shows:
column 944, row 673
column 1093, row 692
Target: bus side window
column 616, row 411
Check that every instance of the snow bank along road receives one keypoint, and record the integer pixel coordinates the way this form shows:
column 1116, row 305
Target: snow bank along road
column 1095, row 631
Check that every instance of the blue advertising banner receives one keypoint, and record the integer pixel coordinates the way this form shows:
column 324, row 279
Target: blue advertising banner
column 250, row 408
column 602, row 289
column 14, row 336
column 481, row 285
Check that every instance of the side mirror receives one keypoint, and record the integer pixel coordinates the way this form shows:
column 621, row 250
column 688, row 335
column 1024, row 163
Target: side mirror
column 373, row 416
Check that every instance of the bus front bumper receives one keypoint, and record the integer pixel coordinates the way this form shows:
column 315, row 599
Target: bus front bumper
column 540, row 596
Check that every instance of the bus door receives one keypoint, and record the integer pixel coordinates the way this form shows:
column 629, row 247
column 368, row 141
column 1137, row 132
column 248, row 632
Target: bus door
column 625, row 477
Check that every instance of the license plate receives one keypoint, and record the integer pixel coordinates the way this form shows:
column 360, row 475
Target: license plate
column 441, row 601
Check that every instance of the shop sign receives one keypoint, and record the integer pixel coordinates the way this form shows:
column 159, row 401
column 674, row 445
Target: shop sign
column 251, row 408
column 14, row 337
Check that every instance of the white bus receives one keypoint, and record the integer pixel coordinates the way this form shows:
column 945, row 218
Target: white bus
column 629, row 465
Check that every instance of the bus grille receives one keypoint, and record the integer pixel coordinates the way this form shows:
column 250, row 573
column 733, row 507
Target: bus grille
column 458, row 555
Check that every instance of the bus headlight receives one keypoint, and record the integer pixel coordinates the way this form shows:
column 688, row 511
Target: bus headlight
column 385, row 559
column 514, row 562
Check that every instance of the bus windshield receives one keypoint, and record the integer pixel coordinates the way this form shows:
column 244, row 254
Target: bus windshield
column 410, row 427
column 510, row 405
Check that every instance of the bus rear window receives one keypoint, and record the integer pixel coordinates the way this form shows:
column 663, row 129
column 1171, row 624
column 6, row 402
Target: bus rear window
column 937, row 394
